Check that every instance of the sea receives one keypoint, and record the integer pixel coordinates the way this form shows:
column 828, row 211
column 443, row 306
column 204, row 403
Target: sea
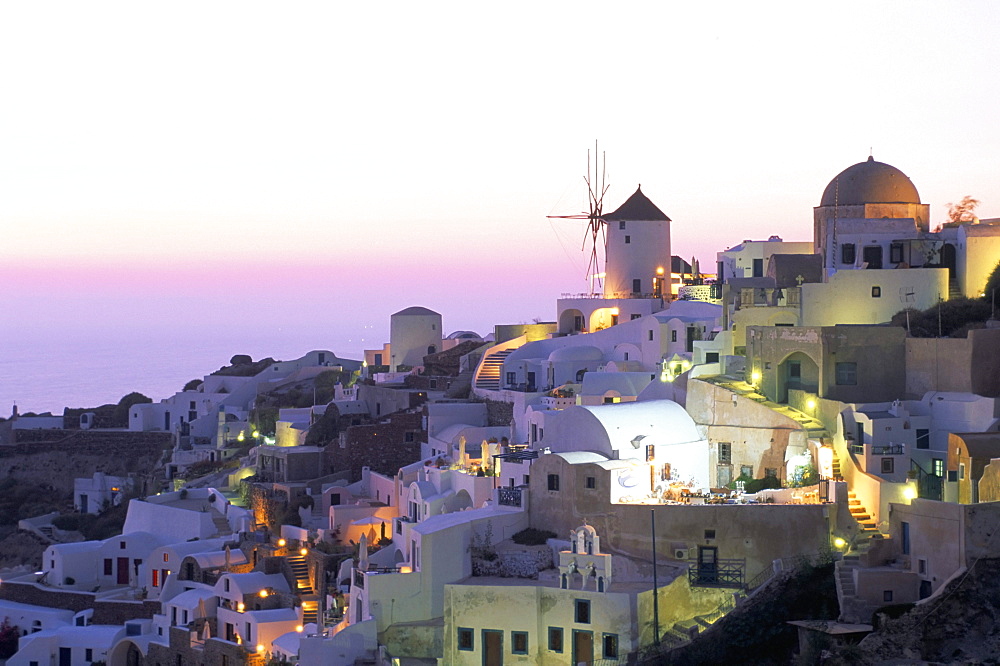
column 49, row 370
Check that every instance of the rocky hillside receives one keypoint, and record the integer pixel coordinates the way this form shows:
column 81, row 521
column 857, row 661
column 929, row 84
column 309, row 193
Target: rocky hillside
column 961, row 625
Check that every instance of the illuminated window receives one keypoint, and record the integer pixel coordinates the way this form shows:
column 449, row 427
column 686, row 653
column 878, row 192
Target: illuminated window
column 556, row 639
column 847, row 253
column 519, row 642
column 650, row 452
column 938, row 467
column 166, row 557
column 465, row 639
column 847, row 374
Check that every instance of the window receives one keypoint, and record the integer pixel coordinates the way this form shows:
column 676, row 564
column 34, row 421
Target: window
column 88, row 654
column 938, row 467
column 465, row 639
column 747, row 471
column 771, row 472
column 408, row 437
column 636, row 286
column 610, row 646
column 896, row 253
column 725, row 453
column 628, row 240
column 554, row 482
column 673, row 336
column 924, row 439
column 711, row 357
column 922, row 566
column 633, row 316
column 758, row 268
column 905, row 540
column 166, row 557
column 961, row 471
column 591, row 482
column 107, row 566
column 876, row 292
column 121, row 545
column 556, row 639
column 847, row 374
column 581, row 614
column 511, row 378
column 650, row 336
column 888, row 464
column 519, row 642
column 156, row 578
column 621, row 225
column 650, row 452
column 847, row 253
column 887, row 595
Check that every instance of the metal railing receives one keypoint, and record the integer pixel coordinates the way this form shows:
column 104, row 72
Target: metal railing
column 888, row 450
column 721, row 573
column 509, row 497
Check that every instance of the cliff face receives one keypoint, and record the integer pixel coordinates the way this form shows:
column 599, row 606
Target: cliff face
column 960, row 624
column 56, row 457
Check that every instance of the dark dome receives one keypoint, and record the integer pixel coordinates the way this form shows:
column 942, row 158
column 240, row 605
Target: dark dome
column 870, row 182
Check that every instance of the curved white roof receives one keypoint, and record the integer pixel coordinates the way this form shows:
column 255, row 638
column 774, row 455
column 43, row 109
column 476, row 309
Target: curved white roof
column 662, row 421
column 577, row 457
column 577, row 353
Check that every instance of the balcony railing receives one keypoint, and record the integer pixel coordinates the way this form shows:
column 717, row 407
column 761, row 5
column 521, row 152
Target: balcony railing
column 509, row 497
column 888, row 450
column 722, row 573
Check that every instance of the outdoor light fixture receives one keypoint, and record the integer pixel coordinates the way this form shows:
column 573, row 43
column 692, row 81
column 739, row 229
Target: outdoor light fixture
column 839, row 543
column 240, row 437
column 240, row 606
column 281, row 543
column 304, row 552
column 263, row 594
column 810, row 403
column 910, row 493
column 260, row 647
column 299, row 628
column 755, row 377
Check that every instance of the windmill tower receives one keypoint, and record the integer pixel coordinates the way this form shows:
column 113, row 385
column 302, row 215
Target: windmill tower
column 635, row 240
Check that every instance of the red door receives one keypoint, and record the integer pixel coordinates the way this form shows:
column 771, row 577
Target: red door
column 123, row 571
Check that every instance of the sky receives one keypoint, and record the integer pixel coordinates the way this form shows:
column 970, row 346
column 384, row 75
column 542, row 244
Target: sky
column 327, row 164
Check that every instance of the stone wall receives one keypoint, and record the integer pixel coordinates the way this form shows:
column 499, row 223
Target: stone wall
column 380, row 446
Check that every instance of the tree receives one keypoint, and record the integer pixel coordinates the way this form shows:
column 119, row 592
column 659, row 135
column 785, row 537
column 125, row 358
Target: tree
column 125, row 404
column 241, row 359
column 991, row 294
column 963, row 212
column 192, row 385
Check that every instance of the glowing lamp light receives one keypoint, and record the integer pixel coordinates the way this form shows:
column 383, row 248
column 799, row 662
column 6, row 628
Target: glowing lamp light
column 299, row 628
column 304, row 552
column 240, row 607
column 839, row 543
column 282, row 542
column 910, row 493
column 260, row 647
column 659, row 270
column 405, row 569
column 810, row 403
column 755, row 376
column 614, row 311
column 256, row 434
column 240, row 437
column 263, row 594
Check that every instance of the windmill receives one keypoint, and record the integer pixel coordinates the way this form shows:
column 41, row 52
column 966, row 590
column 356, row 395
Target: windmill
column 596, row 226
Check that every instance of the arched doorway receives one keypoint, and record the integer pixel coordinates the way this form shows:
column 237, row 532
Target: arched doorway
column 948, row 259
column 797, row 371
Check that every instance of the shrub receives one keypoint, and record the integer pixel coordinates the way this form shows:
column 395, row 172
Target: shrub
column 529, row 536
column 68, row 523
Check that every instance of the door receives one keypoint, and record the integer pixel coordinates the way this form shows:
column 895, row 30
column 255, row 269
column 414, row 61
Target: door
column 725, row 475
column 708, row 564
column 84, row 507
column 583, row 647
column 123, row 571
column 492, row 647
column 65, row 656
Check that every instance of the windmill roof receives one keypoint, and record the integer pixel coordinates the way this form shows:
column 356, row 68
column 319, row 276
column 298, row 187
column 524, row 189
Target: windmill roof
column 637, row 207
column 415, row 310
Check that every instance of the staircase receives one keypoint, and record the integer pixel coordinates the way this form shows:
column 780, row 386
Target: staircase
column 300, row 570
column 835, row 468
column 310, row 611
column 222, row 527
column 953, row 290
column 853, row 609
column 488, row 376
